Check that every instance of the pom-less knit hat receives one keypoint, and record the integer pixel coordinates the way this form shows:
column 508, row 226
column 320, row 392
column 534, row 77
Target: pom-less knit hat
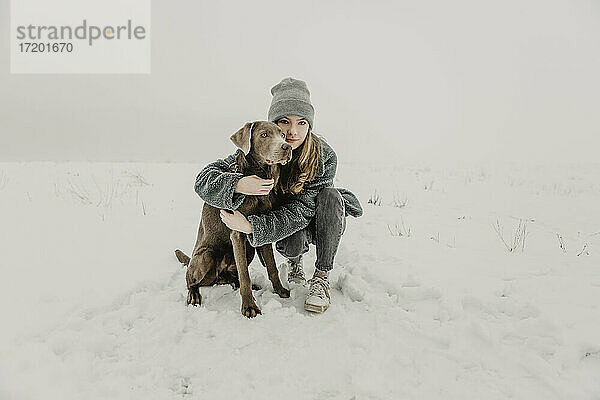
column 291, row 97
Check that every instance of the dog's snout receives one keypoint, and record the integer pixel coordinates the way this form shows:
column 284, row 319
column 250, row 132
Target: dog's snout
column 286, row 146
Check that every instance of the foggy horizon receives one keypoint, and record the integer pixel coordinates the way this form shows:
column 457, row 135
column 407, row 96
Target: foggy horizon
column 389, row 80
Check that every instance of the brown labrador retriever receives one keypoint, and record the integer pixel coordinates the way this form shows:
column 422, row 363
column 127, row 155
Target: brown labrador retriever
column 222, row 255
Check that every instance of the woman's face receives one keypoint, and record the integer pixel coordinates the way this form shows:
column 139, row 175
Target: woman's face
column 295, row 129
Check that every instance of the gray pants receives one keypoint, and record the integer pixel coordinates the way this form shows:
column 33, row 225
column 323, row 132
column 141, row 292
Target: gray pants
column 324, row 231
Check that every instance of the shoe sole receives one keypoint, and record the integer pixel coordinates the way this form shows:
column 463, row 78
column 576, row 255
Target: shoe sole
column 315, row 309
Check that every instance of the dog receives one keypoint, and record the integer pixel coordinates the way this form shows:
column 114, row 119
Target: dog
column 222, row 255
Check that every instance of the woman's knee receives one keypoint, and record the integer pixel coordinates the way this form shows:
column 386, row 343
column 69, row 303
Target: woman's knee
column 293, row 245
column 329, row 197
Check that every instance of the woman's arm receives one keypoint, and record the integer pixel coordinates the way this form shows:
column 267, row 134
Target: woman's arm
column 215, row 184
column 296, row 214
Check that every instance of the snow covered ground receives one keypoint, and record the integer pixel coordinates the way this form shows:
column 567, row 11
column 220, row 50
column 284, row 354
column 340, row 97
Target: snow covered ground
column 428, row 303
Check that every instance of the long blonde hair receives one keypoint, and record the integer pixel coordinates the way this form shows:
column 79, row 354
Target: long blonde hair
column 304, row 168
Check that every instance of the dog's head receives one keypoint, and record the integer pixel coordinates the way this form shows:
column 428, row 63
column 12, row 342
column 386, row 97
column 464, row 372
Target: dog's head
column 264, row 141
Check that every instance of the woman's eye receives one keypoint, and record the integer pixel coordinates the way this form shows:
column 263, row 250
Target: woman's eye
column 264, row 134
column 283, row 121
column 302, row 123
column 283, row 135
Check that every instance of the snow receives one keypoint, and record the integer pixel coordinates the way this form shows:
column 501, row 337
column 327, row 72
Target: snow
column 426, row 300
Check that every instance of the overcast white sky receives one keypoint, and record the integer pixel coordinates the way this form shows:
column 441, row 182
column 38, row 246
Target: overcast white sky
column 406, row 80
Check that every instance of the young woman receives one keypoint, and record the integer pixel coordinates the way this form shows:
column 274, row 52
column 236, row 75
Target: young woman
column 314, row 211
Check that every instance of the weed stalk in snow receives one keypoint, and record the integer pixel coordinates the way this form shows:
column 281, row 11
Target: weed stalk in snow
column 399, row 230
column 397, row 202
column 375, row 199
column 561, row 243
column 517, row 239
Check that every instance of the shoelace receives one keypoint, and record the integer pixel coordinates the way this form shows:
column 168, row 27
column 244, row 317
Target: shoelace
column 296, row 269
column 319, row 287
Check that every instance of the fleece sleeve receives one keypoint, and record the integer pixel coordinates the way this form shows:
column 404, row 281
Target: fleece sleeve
column 294, row 215
column 215, row 184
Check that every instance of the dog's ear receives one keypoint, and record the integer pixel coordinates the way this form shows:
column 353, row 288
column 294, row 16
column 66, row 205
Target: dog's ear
column 242, row 137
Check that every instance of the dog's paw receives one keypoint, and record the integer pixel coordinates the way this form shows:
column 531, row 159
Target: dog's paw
column 283, row 292
column 250, row 310
column 194, row 297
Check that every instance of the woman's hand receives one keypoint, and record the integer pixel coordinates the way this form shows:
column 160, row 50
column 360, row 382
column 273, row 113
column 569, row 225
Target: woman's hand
column 236, row 221
column 253, row 185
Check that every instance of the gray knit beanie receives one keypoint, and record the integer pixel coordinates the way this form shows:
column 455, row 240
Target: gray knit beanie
column 291, row 97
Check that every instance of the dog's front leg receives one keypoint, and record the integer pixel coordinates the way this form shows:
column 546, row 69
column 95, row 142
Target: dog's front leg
column 249, row 307
column 265, row 253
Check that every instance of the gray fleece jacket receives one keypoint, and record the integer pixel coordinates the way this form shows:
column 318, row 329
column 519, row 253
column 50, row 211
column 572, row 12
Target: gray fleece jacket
column 215, row 184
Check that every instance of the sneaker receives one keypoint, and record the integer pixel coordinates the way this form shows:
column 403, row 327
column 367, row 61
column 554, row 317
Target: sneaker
column 295, row 271
column 318, row 298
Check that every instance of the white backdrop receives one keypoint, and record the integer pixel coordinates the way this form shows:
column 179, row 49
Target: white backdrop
column 434, row 80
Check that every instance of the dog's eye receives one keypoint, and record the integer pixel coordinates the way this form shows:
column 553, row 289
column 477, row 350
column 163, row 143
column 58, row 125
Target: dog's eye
column 264, row 134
